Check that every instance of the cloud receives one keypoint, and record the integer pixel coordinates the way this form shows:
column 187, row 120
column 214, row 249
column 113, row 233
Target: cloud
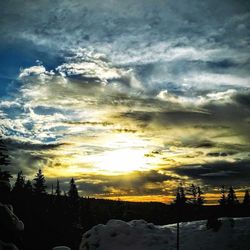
column 203, row 78
column 171, row 75
column 135, row 183
column 33, row 71
column 243, row 99
column 90, row 123
column 90, row 66
column 220, row 154
column 218, row 173
column 13, row 144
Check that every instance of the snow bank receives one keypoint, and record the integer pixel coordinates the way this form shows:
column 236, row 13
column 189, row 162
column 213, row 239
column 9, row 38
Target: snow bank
column 140, row 235
column 60, row 248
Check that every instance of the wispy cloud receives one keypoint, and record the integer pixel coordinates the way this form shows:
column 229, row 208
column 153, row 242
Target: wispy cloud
column 165, row 82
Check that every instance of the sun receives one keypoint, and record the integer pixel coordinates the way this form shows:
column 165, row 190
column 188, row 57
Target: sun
column 117, row 154
column 123, row 153
column 122, row 160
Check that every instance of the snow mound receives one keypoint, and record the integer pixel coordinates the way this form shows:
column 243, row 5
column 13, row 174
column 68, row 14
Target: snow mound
column 140, row 235
column 61, row 248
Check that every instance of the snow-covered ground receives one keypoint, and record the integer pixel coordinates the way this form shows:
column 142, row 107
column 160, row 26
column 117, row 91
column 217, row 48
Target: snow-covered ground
column 140, row 235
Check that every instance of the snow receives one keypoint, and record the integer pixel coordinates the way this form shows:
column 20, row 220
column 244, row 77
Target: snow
column 140, row 235
column 60, row 248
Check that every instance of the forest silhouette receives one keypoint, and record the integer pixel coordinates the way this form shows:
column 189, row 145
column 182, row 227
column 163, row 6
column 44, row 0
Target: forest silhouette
column 60, row 218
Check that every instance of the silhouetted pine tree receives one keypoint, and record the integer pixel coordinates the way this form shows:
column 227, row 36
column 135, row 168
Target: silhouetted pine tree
column 58, row 189
column 39, row 185
column 196, row 195
column 73, row 192
column 231, row 197
column 223, row 200
column 246, row 200
column 19, row 183
column 192, row 191
column 200, row 198
column 28, row 187
column 183, row 196
column 74, row 204
column 177, row 200
column 180, row 198
column 5, row 175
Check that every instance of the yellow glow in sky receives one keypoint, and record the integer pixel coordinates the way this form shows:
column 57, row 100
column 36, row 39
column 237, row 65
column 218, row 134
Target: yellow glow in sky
column 126, row 153
column 122, row 160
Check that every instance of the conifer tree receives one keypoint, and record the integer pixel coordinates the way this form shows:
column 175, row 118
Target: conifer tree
column 177, row 200
column 183, row 196
column 20, row 183
column 74, row 205
column 52, row 189
column 193, row 193
column 246, row 199
column 39, row 185
column 28, row 187
column 58, row 189
column 5, row 175
column 231, row 197
column 223, row 200
column 73, row 192
column 180, row 198
column 200, row 198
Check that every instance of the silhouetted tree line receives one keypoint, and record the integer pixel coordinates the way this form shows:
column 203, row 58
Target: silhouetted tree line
column 193, row 195
column 39, row 186
column 57, row 218
column 60, row 218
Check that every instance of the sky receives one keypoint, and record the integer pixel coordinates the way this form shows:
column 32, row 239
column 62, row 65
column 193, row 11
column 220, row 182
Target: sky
column 130, row 98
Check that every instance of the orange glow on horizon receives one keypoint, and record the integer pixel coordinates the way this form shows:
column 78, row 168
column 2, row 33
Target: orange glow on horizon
column 210, row 198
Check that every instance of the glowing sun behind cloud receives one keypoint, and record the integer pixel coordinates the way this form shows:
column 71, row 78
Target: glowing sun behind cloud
column 122, row 160
column 126, row 153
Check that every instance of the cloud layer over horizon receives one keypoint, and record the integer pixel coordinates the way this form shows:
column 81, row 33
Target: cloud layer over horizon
column 130, row 98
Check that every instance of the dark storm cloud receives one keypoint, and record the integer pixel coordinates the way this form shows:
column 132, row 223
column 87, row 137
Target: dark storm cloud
column 216, row 112
column 135, row 183
column 125, row 130
column 27, row 161
column 243, row 99
column 197, row 143
column 220, row 154
column 171, row 117
column 24, row 145
column 222, row 172
column 89, row 123
column 28, row 156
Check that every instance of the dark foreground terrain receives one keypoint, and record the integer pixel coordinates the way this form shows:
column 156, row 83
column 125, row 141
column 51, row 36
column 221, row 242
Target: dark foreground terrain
column 58, row 220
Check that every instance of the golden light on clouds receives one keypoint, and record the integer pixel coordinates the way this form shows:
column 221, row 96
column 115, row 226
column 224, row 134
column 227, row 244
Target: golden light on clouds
column 126, row 153
column 122, row 160
column 127, row 104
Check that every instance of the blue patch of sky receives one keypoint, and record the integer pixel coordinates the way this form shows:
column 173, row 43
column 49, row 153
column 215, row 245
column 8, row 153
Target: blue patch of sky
column 15, row 56
column 13, row 112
